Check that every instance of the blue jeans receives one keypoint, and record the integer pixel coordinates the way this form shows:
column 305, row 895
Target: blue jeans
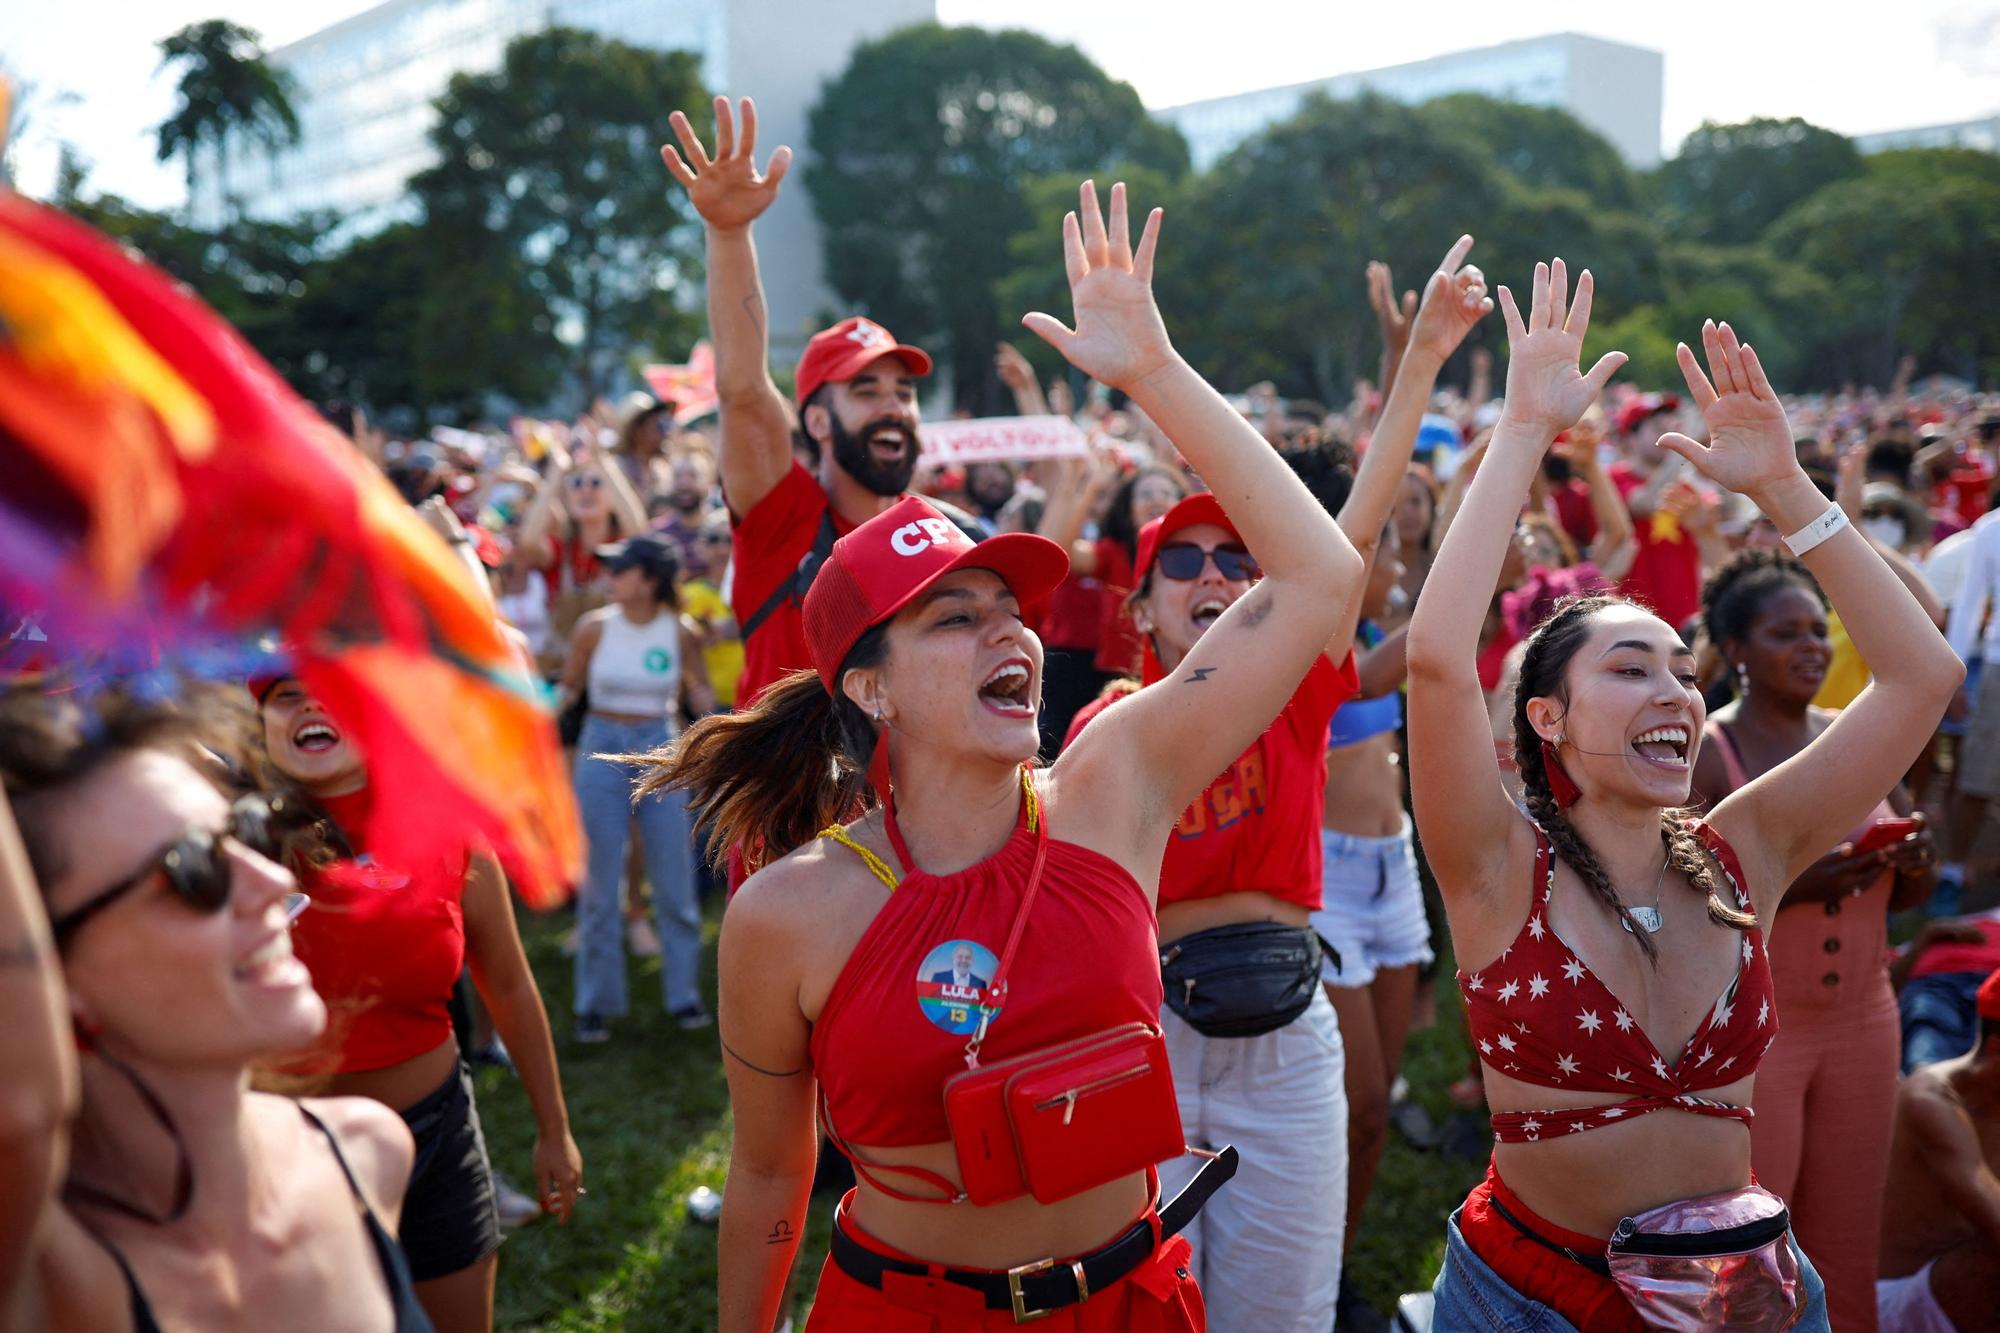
column 604, row 796
column 1471, row 1298
column 1940, row 1016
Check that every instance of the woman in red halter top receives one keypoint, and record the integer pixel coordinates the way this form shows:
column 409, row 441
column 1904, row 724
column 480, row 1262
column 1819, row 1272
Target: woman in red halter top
column 853, row 970
column 1615, row 977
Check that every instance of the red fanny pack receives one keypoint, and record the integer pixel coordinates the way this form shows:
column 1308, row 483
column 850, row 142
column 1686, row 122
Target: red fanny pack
column 1053, row 1122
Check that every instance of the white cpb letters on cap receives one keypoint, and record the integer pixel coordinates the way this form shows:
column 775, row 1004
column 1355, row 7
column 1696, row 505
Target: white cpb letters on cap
column 918, row 537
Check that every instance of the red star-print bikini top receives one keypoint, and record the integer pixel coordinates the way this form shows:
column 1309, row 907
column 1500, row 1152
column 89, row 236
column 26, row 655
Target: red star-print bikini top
column 1540, row 1015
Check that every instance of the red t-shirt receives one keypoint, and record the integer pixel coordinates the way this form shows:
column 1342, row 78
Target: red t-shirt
column 1073, row 616
column 385, row 947
column 1257, row 825
column 1117, row 641
column 771, row 540
column 571, row 565
column 1666, row 574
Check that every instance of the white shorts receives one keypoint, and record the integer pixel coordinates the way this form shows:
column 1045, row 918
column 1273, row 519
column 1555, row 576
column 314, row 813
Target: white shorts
column 1374, row 906
column 1906, row 1305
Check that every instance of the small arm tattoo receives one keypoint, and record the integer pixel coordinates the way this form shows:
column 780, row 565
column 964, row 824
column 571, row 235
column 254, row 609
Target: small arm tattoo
column 782, row 1234
column 755, row 309
column 756, row 1068
column 1200, row 674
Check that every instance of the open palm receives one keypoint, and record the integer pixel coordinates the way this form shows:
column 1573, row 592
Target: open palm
column 725, row 189
column 1749, row 439
column 1119, row 338
column 1544, row 385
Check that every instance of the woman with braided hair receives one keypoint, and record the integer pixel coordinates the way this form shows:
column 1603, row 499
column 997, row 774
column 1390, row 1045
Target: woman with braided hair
column 1827, row 1099
column 1612, row 954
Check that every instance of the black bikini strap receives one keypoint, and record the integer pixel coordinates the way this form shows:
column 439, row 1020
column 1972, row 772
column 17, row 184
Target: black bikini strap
column 142, row 1313
column 340, row 1157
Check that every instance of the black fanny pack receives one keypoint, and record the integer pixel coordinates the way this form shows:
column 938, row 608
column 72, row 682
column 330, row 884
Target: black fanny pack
column 1242, row 980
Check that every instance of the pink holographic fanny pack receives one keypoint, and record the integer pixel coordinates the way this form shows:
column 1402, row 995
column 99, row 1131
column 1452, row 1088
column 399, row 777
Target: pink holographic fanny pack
column 1720, row 1261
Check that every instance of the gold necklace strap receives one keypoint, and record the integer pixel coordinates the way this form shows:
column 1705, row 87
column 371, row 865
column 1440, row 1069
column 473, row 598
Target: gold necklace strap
column 1029, row 799
column 875, row 864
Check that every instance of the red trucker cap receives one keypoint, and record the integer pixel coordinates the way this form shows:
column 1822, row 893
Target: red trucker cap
column 1201, row 507
column 840, row 352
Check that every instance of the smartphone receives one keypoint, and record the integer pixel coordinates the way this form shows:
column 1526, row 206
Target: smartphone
column 1886, row 833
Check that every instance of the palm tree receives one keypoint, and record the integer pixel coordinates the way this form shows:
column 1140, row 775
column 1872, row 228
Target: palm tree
column 226, row 89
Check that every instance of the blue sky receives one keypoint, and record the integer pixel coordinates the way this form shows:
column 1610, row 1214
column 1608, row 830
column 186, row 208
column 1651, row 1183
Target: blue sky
column 1853, row 67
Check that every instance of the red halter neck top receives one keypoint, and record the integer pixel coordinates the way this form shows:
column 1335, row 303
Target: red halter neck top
column 896, row 1022
column 1540, row 1015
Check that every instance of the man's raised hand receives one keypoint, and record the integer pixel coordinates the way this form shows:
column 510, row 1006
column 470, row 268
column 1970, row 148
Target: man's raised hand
column 1394, row 318
column 725, row 189
column 1118, row 337
column 1544, row 386
column 1455, row 299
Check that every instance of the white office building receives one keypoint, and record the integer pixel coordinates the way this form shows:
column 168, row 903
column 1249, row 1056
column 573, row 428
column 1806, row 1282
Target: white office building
column 1982, row 134
column 1613, row 88
column 363, row 90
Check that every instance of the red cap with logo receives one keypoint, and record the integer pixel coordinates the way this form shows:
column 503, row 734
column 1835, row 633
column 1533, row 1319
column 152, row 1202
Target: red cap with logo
column 839, row 353
column 877, row 569
column 1201, row 507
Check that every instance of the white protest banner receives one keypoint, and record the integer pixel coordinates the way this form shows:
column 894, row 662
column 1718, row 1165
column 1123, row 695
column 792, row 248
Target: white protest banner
column 992, row 438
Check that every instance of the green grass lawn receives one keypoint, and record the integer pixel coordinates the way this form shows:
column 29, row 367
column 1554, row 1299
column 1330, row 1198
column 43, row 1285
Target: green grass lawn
column 651, row 1115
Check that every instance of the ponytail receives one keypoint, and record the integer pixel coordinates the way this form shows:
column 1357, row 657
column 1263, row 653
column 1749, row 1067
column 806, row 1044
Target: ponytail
column 1549, row 650
column 769, row 777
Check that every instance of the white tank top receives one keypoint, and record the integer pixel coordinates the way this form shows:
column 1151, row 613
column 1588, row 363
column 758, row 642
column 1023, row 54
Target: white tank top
column 637, row 668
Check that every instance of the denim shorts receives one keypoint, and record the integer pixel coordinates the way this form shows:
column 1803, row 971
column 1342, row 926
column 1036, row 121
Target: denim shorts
column 1470, row 1296
column 1373, row 910
column 450, row 1220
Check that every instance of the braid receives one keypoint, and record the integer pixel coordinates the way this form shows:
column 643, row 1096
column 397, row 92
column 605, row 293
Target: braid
column 1685, row 854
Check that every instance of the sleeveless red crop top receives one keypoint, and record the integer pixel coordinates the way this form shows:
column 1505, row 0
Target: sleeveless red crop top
column 1539, row 1015
column 896, row 1023
column 1257, row 825
column 385, row 947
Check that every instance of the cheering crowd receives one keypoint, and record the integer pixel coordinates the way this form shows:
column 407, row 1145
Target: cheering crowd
column 1085, row 831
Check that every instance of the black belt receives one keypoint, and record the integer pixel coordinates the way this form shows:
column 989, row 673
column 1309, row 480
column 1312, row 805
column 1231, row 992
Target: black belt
column 1039, row 1288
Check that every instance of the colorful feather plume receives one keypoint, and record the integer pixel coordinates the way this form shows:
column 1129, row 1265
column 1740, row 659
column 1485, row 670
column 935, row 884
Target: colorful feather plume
column 161, row 487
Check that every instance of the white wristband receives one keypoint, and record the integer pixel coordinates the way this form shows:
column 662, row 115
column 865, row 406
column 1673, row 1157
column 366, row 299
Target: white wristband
column 1817, row 531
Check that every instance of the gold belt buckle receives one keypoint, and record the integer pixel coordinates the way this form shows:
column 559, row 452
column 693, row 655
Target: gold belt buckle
column 1022, row 1314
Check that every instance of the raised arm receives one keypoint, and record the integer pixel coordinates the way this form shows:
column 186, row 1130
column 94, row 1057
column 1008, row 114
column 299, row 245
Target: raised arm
column 1465, row 816
column 1454, row 301
column 38, row 1076
column 1616, row 544
column 1801, row 808
column 1153, row 754
column 755, row 450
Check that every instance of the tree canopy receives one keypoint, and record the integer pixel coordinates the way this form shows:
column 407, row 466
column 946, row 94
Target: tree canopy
column 919, row 151
column 227, row 91
column 549, row 166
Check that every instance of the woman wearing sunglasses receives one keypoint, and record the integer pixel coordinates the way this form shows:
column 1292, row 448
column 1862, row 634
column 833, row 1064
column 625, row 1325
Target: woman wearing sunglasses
column 1256, row 1049
column 580, row 506
column 1612, row 951
column 985, row 913
column 385, row 945
column 145, row 966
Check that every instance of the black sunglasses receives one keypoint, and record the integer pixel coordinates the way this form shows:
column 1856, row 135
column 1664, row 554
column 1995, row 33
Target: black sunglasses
column 1182, row 563
column 577, row 483
column 196, row 867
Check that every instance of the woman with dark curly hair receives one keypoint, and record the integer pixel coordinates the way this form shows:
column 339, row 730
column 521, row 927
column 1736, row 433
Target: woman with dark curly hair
column 1611, row 950
column 1827, row 1098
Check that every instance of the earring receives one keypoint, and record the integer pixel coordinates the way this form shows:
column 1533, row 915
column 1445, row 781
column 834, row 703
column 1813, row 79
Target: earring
column 878, row 715
column 1742, row 678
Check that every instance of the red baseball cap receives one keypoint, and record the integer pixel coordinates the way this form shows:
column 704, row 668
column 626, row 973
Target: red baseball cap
column 1201, row 507
column 874, row 572
column 840, row 352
